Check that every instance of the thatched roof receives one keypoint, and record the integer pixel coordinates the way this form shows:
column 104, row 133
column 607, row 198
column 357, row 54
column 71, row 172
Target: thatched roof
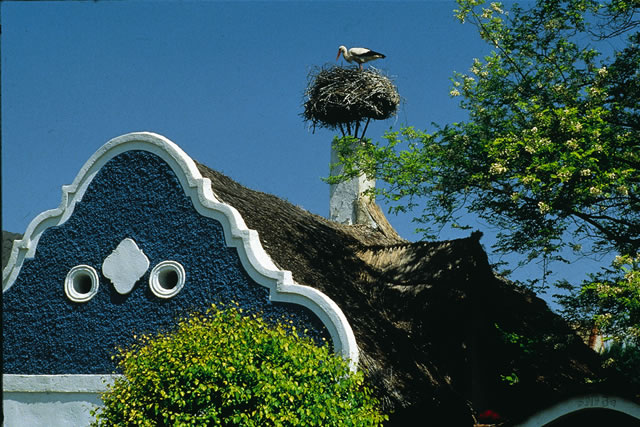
column 435, row 326
column 7, row 243
column 432, row 320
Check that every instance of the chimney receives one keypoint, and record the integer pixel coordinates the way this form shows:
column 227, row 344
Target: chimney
column 347, row 202
column 595, row 340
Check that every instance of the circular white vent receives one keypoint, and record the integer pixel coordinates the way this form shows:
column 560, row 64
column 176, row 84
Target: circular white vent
column 81, row 283
column 167, row 279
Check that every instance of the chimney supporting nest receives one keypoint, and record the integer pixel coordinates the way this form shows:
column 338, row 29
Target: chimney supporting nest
column 347, row 200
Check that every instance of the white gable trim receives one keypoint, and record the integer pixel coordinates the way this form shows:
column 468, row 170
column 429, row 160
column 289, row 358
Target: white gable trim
column 591, row 401
column 254, row 259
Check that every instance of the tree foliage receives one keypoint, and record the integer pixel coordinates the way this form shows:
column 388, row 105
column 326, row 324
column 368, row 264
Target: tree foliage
column 610, row 300
column 227, row 368
column 550, row 152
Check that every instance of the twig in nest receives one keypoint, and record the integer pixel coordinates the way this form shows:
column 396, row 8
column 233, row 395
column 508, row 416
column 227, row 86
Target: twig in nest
column 343, row 98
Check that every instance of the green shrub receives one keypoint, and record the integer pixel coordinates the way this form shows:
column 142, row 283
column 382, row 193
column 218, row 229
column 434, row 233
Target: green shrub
column 227, row 368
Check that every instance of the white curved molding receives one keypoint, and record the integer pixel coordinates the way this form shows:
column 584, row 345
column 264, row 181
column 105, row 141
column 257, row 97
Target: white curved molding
column 80, row 272
column 591, row 401
column 254, row 259
column 156, row 279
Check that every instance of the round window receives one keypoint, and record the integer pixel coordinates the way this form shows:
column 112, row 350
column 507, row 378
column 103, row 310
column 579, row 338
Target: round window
column 81, row 283
column 167, row 279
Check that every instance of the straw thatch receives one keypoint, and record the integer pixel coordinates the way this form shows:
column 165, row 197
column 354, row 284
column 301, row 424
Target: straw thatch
column 425, row 315
column 7, row 243
column 345, row 98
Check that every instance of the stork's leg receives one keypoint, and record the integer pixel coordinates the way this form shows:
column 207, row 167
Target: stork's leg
column 361, row 66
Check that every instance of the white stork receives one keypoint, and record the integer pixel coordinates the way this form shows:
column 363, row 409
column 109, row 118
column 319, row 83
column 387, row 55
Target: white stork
column 358, row 54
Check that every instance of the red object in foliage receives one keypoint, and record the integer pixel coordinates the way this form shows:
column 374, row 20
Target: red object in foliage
column 489, row 415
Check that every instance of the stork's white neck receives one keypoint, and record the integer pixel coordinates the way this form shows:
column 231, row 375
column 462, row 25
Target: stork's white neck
column 346, row 54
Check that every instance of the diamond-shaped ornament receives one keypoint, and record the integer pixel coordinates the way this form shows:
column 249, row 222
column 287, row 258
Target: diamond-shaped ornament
column 125, row 265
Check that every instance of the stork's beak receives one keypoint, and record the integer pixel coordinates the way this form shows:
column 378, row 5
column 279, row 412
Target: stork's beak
column 339, row 51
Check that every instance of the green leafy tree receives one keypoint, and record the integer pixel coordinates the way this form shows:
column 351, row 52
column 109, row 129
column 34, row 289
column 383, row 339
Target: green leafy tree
column 227, row 368
column 550, row 152
column 609, row 301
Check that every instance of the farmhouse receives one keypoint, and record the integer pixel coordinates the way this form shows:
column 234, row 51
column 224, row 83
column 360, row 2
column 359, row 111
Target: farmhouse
column 145, row 235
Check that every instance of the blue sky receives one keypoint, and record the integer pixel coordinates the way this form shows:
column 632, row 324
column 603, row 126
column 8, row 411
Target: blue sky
column 224, row 80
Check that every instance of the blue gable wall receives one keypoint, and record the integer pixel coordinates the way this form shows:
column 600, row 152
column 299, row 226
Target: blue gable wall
column 135, row 195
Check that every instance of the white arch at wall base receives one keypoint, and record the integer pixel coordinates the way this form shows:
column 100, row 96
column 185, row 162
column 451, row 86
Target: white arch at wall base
column 591, row 401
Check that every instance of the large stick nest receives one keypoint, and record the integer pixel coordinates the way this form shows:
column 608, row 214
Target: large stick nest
column 340, row 96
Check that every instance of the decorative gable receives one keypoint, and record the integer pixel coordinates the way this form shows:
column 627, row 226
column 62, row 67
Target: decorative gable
column 138, row 241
